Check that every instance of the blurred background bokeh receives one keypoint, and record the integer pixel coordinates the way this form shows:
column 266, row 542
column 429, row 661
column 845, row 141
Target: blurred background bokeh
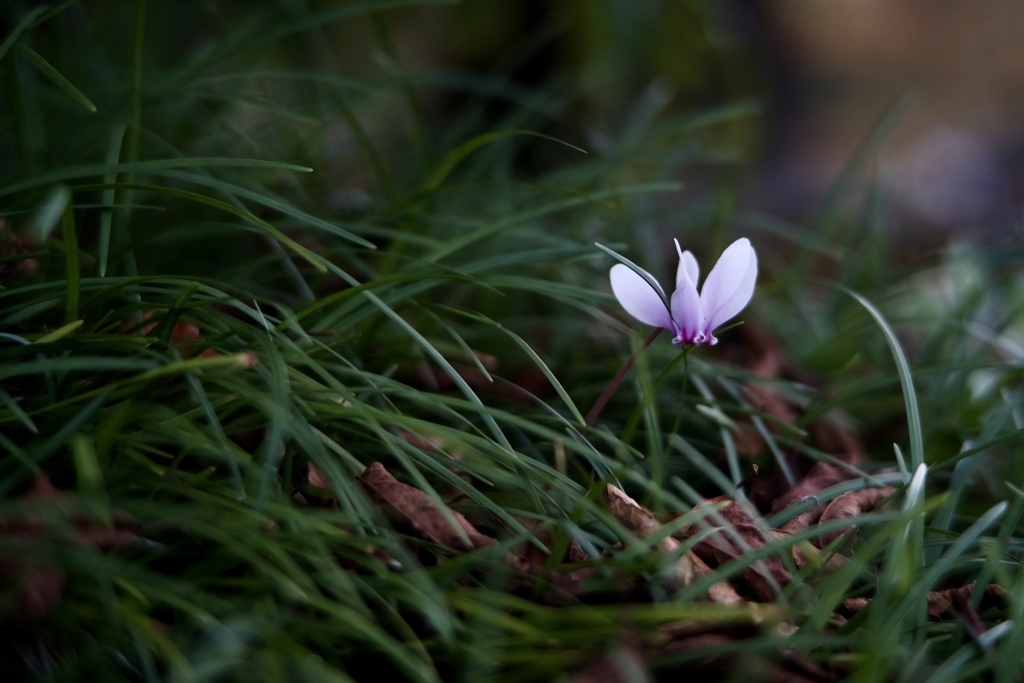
column 934, row 82
column 928, row 89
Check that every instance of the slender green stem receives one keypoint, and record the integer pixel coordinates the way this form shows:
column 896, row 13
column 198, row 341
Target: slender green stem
column 617, row 380
column 132, row 139
column 686, row 385
column 74, row 274
column 634, row 419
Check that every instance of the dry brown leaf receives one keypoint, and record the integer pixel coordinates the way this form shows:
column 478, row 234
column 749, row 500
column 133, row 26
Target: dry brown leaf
column 412, row 508
column 696, row 636
column 641, row 522
column 316, row 478
column 533, row 556
column 854, row 605
column 184, row 334
column 88, row 531
column 820, row 477
column 950, row 603
column 13, row 245
column 851, row 504
column 764, row 577
column 804, row 554
column 957, row 601
column 532, row 561
column 740, row 534
column 623, row 664
column 542, row 577
column 635, row 517
column 33, row 584
column 318, row 489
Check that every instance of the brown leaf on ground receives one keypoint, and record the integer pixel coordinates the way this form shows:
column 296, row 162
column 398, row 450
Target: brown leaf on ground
column 32, row 583
column 953, row 603
column 412, row 508
column 635, row 517
column 185, row 335
column 548, row 586
column 956, row 602
column 560, row 581
column 940, row 602
column 805, row 554
column 820, row 477
column 853, row 605
column 950, row 603
column 799, row 668
column 764, row 577
column 14, row 245
column 736, row 532
column 689, row 567
column 315, row 488
column 696, row 637
column 851, row 504
column 314, row 477
column 641, row 522
column 533, row 556
column 625, row 663
column 722, row 591
column 91, row 532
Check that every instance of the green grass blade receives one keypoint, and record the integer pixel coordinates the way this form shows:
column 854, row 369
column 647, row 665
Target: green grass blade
column 541, row 365
column 24, row 25
column 906, row 379
column 56, row 77
column 73, row 269
column 153, row 166
column 108, row 198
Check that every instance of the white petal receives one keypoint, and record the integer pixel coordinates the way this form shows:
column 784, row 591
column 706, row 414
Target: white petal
column 638, row 298
column 688, row 314
column 730, row 284
column 687, row 266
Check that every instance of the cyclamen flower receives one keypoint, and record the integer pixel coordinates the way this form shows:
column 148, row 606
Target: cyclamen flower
column 690, row 317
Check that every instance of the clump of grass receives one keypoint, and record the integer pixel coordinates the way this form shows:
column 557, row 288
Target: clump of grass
column 236, row 276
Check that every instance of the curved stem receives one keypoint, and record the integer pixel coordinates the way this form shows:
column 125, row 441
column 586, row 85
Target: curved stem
column 634, row 419
column 617, row 380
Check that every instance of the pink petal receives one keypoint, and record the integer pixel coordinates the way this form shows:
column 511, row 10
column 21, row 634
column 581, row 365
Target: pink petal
column 638, row 298
column 688, row 313
column 729, row 285
column 687, row 265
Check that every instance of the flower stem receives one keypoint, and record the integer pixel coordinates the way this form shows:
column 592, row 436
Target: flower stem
column 617, row 380
column 634, row 419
